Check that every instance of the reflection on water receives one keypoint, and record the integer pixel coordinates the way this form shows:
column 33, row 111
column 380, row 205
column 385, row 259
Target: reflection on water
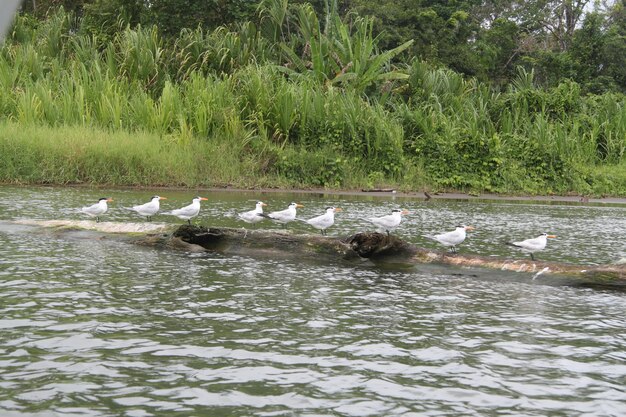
column 94, row 327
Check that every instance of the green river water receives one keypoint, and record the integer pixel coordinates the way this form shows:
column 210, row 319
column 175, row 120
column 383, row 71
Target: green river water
column 97, row 327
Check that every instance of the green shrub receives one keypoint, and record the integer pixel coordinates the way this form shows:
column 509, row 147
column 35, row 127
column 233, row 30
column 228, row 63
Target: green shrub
column 300, row 167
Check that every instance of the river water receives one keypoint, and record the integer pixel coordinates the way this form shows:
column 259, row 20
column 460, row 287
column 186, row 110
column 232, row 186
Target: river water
column 94, row 327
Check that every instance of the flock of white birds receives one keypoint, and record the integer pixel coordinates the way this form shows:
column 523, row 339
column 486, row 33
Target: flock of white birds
column 386, row 223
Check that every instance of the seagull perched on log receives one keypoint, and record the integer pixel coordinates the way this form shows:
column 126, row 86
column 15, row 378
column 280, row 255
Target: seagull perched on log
column 150, row 208
column 253, row 216
column 325, row 220
column 533, row 245
column 283, row 216
column 453, row 238
column 389, row 222
column 96, row 210
column 188, row 212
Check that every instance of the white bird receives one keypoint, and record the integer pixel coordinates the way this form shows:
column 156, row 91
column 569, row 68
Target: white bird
column 97, row 209
column 324, row 221
column 390, row 221
column 253, row 216
column 284, row 216
column 149, row 209
column 453, row 238
column 533, row 245
column 188, row 212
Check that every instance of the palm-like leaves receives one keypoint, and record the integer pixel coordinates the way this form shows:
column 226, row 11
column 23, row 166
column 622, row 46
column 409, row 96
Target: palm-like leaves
column 341, row 54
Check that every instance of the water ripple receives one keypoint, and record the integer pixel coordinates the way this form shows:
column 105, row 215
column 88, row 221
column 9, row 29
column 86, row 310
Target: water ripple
column 93, row 327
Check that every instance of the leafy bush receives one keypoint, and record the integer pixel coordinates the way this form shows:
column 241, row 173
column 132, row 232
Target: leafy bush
column 311, row 168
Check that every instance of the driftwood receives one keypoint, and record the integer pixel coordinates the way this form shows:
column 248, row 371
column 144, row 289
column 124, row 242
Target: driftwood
column 103, row 227
column 371, row 247
column 378, row 190
column 377, row 248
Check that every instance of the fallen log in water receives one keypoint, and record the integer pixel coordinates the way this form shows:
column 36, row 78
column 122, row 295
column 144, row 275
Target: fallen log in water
column 378, row 248
column 103, row 227
column 375, row 247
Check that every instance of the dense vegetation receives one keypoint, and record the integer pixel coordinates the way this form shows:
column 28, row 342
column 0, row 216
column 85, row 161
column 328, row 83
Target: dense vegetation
column 292, row 95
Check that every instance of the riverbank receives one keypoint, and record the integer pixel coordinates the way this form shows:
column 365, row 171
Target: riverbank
column 95, row 157
column 81, row 113
column 87, row 156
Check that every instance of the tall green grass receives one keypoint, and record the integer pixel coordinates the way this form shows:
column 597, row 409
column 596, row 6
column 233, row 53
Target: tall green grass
column 291, row 101
column 521, row 140
column 83, row 155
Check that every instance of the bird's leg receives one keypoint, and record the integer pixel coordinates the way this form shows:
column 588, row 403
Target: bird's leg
column 97, row 219
column 532, row 257
column 189, row 221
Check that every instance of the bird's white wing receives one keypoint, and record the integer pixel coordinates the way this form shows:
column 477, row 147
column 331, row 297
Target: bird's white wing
column 376, row 220
column 250, row 216
column 283, row 216
column 530, row 244
column 385, row 221
column 279, row 214
column 88, row 209
column 322, row 221
column 450, row 238
column 141, row 207
column 189, row 210
column 147, row 209
column 94, row 209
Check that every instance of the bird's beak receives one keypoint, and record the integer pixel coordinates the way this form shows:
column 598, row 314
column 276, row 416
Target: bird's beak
column 552, row 236
column 109, row 199
column 404, row 212
column 337, row 209
column 203, row 198
column 162, row 198
column 263, row 205
column 299, row 206
column 470, row 228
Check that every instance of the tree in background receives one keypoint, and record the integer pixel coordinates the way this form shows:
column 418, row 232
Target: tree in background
column 442, row 30
column 486, row 39
column 499, row 49
column 104, row 18
column 41, row 8
column 614, row 48
column 173, row 15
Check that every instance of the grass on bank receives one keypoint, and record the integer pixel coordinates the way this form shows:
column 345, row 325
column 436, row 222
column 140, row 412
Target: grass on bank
column 83, row 155
column 74, row 155
column 39, row 154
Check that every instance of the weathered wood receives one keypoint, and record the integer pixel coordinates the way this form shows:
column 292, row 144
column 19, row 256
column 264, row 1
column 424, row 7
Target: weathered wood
column 380, row 249
column 252, row 242
column 378, row 190
column 103, row 227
